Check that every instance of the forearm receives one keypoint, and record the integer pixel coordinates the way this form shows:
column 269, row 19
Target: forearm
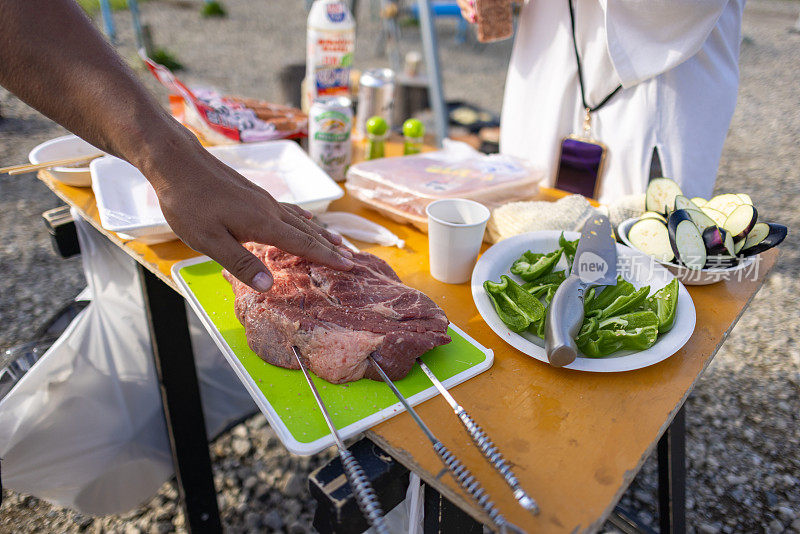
column 52, row 57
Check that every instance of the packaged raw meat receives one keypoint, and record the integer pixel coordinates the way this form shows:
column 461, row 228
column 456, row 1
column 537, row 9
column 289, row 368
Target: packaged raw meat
column 495, row 20
column 402, row 187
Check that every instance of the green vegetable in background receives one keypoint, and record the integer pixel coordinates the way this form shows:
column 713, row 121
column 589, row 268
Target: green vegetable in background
column 664, row 303
column 632, row 331
column 569, row 247
column 516, row 307
column 531, row 266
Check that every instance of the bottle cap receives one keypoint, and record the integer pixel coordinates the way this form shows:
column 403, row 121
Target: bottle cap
column 413, row 128
column 377, row 126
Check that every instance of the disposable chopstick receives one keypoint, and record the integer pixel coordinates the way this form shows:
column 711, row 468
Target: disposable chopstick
column 30, row 167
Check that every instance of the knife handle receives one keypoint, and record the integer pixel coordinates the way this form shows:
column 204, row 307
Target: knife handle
column 563, row 321
column 362, row 489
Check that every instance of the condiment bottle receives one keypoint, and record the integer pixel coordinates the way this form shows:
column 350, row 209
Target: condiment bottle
column 376, row 137
column 413, row 132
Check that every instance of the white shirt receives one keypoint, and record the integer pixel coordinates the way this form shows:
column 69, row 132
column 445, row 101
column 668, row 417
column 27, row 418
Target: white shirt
column 677, row 61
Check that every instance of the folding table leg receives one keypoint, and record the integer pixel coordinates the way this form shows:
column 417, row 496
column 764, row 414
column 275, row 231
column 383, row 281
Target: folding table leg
column 672, row 477
column 444, row 517
column 180, row 396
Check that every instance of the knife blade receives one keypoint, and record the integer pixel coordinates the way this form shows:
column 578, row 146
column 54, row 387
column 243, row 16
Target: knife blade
column 595, row 264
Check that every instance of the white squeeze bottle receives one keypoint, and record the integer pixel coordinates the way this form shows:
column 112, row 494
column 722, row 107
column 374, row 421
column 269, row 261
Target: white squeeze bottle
column 329, row 51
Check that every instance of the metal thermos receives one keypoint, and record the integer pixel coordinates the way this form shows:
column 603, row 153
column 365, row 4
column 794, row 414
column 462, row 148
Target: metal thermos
column 375, row 98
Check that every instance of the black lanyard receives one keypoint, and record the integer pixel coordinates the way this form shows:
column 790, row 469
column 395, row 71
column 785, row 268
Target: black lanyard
column 586, row 106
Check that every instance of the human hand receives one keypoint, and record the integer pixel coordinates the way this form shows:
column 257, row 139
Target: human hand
column 214, row 209
column 468, row 10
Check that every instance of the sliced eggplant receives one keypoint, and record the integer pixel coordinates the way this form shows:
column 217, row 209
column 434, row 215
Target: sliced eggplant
column 699, row 201
column 702, row 220
column 654, row 215
column 651, row 236
column 758, row 234
column 739, row 245
column 686, row 241
column 741, row 221
column 745, row 198
column 717, row 216
column 777, row 233
column 723, row 261
column 683, row 203
column 725, row 203
column 718, row 241
column 660, row 195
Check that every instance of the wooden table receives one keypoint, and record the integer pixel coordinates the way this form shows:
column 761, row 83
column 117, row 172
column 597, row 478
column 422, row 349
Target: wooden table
column 576, row 439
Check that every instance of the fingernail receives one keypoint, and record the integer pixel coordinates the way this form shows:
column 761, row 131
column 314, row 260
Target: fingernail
column 346, row 253
column 262, row 282
column 307, row 214
column 347, row 264
column 337, row 239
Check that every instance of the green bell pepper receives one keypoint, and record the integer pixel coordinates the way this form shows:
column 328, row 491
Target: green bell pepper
column 664, row 303
column 632, row 331
column 531, row 266
column 516, row 307
column 611, row 293
column 626, row 303
column 569, row 248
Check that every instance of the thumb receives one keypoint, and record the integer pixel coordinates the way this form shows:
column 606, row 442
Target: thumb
column 242, row 264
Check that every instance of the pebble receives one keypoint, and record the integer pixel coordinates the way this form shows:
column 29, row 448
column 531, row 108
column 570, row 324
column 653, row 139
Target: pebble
column 273, row 520
column 706, row 528
column 775, row 527
column 786, row 513
column 252, row 520
column 293, row 485
column 240, row 447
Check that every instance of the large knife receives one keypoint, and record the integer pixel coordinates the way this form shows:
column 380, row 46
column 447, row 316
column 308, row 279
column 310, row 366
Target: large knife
column 595, row 264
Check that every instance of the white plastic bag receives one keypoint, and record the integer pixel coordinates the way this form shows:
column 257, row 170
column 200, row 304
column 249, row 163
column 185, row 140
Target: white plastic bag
column 357, row 227
column 84, row 427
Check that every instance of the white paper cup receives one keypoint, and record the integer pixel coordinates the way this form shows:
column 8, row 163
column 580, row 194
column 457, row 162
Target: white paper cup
column 455, row 234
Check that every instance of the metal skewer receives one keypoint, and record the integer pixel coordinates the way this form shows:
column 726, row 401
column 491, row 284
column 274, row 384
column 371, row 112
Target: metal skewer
column 484, row 443
column 462, row 475
column 362, row 489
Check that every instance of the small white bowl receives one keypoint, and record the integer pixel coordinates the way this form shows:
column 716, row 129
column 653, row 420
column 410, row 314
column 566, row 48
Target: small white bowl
column 692, row 277
column 68, row 146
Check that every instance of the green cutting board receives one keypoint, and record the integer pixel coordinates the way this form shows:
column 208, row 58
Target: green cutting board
column 283, row 394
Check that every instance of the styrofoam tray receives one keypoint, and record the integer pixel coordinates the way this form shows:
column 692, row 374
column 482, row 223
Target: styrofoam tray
column 128, row 204
column 283, row 394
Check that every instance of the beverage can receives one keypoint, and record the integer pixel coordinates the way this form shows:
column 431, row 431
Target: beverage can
column 329, row 49
column 330, row 121
column 375, row 98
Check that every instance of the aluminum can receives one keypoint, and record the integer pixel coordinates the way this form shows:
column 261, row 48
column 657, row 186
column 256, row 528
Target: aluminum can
column 375, row 98
column 330, row 121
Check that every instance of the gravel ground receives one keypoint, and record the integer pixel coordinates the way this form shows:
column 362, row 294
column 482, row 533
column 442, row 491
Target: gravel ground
column 742, row 419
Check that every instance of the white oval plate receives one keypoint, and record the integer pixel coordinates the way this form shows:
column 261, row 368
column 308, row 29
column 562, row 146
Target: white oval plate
column 635, row 266
column 694, row 277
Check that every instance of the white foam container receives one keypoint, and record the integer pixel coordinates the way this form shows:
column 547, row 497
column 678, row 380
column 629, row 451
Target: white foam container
column 64, row 147
column 128, row 205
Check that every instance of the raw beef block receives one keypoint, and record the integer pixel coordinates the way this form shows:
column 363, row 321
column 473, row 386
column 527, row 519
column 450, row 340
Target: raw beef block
column 495, row 21
column 337, row 318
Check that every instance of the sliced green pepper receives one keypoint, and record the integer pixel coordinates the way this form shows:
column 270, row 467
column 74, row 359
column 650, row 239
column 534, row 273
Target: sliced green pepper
column 589, row 327
column 626, row 303
column 569, row 247
column 516, row 307
column 611, row 293
column 664, row 303
column 531, row 266
column 546, row 280
column 632, row 331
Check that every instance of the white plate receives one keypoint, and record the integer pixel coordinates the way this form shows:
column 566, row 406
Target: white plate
column 693, row 277
column 633, row 265
column 128, row 204
column 67, row 146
